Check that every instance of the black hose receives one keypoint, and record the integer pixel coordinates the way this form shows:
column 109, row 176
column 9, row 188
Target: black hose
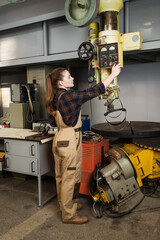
column 117, row 215
column 147, row 190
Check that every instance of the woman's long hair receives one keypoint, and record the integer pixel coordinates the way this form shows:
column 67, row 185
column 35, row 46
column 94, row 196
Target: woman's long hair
column 52, row 87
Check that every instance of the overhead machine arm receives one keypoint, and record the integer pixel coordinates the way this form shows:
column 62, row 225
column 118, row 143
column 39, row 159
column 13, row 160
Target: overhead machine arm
column 105, row 44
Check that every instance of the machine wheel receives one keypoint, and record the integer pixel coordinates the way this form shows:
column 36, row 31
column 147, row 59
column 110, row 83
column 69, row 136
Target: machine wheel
column 86, row 51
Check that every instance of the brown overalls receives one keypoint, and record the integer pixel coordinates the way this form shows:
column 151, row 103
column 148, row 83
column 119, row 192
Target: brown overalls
column 67, row 150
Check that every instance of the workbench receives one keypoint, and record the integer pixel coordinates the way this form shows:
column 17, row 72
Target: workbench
column 29, row 153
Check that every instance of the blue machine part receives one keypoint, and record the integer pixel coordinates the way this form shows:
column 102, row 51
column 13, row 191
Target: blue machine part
column 85, row 125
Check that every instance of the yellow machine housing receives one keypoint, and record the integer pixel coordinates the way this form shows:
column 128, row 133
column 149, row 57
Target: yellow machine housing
column 105, row 44
column 146, row 162
column 109, row 45
column 110, row 5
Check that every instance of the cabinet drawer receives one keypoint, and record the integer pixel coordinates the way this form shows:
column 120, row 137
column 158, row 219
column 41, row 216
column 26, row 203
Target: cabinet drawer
column 21, row 164
column 21, row 148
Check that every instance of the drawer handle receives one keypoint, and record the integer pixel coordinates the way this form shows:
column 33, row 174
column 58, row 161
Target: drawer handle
column 32, row 150
column 6, row 147
column 33, row 166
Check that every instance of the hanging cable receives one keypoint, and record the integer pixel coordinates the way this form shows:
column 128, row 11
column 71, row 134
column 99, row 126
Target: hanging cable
column 109, row 112
column 29, row 116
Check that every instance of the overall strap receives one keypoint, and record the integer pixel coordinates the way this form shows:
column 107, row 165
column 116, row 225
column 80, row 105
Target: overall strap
column 59, row 100
column 57, row 105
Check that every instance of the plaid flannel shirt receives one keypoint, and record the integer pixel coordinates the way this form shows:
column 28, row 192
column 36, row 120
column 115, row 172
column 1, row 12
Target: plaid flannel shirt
column 71, row 101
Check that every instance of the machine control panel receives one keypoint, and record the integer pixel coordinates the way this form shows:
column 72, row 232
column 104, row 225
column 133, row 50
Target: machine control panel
column 107, row 55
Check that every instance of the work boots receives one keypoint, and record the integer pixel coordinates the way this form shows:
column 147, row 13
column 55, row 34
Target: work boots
column 76, row 220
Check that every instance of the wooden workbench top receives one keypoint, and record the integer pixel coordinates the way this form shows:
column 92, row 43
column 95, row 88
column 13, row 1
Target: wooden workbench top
column 18, row 133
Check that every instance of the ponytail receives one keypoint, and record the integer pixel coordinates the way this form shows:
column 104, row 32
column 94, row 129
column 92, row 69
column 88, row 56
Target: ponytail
column 52, row 87
column 49, row 94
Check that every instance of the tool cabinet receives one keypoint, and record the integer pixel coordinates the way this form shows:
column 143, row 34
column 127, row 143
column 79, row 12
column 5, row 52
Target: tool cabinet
column 30, row 158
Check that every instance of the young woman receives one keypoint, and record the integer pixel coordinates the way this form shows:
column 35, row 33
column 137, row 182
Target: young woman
column 64, row 106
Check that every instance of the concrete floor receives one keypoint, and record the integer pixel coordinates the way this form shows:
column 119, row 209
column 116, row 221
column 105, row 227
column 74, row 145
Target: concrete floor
column 21, row 219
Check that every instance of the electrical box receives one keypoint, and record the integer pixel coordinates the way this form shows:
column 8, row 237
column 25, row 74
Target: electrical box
column 38, row 74
column 132, row 41
column 19, row 92
column 107, row 55
column 18, row 114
